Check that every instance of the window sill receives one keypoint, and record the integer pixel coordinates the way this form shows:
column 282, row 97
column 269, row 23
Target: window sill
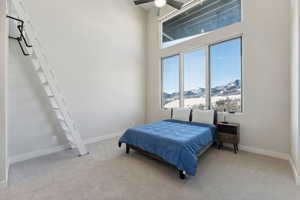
column 222, row 113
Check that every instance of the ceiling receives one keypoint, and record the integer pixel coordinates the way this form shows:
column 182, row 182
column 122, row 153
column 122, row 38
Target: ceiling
column 148, row 6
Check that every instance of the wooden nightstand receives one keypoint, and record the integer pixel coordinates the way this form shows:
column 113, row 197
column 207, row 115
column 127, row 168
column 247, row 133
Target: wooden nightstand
column 229, row 133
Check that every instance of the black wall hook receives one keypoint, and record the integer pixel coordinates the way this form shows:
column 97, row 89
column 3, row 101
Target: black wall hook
column 21, row 37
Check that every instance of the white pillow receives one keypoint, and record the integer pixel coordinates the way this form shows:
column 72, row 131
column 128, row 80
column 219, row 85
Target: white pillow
column 181, row 114
column 203, row 116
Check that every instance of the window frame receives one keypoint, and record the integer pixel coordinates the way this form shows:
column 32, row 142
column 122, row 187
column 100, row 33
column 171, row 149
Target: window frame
column 162, row 79
column 242, row 88
column 207, row 75
column 187, row 6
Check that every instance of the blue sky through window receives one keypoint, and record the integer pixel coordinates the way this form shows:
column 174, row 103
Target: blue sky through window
column 225, row 61
column 194, row 69
column 171, row 74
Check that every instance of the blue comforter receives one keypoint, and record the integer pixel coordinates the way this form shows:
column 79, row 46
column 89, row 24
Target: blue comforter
column 177, row 142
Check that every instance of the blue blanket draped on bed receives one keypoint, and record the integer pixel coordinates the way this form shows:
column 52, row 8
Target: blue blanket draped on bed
column 177, row 142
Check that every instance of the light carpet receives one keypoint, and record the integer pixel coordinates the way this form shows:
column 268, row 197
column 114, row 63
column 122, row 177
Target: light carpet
column 109, row 173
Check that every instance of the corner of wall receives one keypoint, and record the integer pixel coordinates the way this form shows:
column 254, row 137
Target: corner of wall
column 295, row 171
column 3, row 92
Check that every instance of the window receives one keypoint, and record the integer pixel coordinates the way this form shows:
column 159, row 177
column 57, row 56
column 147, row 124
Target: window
column 205, row 85
column 225, row 64
column 170, row 82
column 194, row 79
column 204, row 17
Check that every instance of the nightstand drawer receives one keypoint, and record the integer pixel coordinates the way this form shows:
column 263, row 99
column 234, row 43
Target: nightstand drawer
column 228, row 129
column 228, row 138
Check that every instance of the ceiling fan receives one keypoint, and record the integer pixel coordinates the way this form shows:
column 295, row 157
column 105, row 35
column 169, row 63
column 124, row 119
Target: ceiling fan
column 161, row 3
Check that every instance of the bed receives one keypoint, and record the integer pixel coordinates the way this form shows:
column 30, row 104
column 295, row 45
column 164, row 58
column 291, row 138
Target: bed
column 176, row 141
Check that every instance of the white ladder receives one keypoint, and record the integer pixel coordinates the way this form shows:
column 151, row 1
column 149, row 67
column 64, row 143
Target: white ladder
column 48, row 81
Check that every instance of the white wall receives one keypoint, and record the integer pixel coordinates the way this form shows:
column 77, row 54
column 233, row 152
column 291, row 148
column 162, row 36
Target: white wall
column 265, row 123
column 97, row 49
column 295, row 44
column 3, row 66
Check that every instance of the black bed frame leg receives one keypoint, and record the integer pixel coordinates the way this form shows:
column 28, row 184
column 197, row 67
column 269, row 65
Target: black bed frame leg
column 181, row 174
column 127, row 149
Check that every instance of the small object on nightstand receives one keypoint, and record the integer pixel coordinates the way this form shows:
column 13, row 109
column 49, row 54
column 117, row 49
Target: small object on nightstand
column 224, row 116
column 229, row 133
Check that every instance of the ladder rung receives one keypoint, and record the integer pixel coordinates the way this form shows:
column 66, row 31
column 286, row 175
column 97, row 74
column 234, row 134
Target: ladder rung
column 53, row 103
column 55, row 107
column 36, row 64
column 65, row 129
column 48, row 91
column 59, row 115
column 52, row 74
column 64, row 126
column 70, row 138
column 42, row 77
column 73, row 146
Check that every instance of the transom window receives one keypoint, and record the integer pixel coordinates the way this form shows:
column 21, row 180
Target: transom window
column 207, row 16
column 207, row 78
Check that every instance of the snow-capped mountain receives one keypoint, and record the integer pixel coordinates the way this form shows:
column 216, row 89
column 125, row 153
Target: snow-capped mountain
column 231, row 88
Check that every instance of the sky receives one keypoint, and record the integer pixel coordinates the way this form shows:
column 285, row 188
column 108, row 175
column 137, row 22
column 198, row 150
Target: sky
column 225, row 62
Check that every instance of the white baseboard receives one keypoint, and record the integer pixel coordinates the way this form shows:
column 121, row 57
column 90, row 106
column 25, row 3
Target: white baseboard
column 3, row 184
column 274, row 154
column 43, row 152
column 7, row 171
column 103, row 137
column 35, row 154
column 264, row 152
column 294, row 168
